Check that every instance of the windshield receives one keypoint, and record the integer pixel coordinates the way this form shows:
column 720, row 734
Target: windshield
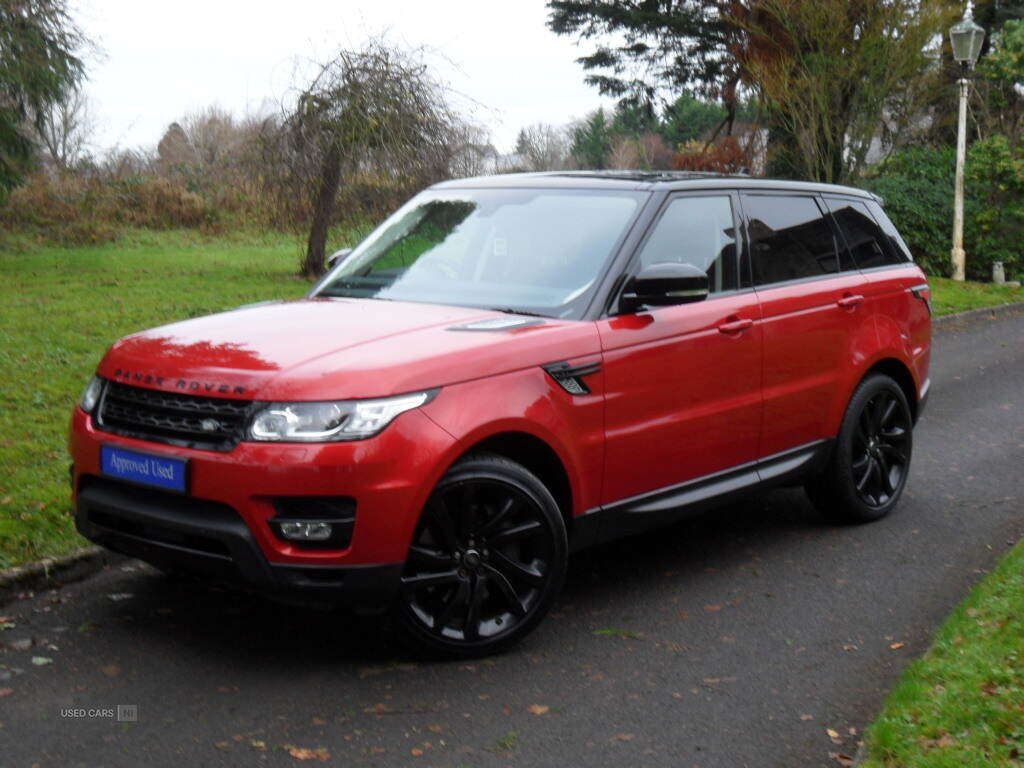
column 531, row 251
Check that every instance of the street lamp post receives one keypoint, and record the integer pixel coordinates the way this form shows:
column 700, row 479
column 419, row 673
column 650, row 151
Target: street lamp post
column 966, row 38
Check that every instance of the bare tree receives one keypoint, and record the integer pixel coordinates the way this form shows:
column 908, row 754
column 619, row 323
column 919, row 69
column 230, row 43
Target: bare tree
column 544, row 147
column 215, row 135
column 471, row 152
column 65, row 130
column 647, row 152
column 374, row 110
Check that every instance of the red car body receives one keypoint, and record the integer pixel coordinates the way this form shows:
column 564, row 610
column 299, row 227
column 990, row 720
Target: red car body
column 688, row 403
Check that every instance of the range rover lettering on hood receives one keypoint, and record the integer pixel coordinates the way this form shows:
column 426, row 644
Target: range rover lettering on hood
column 185, row 385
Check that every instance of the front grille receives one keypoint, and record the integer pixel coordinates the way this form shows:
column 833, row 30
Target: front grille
column 192, row 421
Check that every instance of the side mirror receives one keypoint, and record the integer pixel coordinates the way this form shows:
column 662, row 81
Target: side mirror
column 337, row 256
column 664, row 285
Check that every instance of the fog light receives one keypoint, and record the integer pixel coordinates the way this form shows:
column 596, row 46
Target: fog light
column 305, row 530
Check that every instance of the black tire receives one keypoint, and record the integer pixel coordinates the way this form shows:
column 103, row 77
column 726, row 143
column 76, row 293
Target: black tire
column 486, row 562
column 871, row 459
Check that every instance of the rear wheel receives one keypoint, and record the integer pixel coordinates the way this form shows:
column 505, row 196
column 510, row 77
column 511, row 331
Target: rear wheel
column 871, row 460
column 486, row 562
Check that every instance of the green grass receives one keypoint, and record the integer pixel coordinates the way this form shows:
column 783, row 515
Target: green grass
column 949, row 296
column 962, row 704
column 61, row 309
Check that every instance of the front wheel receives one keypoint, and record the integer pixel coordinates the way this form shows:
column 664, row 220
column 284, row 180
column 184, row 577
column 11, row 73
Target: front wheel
column 486, row 561
column 869, row 466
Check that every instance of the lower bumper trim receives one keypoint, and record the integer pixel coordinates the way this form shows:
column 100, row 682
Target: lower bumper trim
column 209, row 539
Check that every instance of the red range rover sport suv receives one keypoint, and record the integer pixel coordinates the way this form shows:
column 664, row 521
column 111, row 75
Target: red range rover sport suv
column 506, row 370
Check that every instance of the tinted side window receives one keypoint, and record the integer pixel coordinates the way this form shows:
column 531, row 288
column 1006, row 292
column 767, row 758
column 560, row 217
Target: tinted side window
column 698, row 231
column 790, row 239
column 870, row 246
column 895, row 240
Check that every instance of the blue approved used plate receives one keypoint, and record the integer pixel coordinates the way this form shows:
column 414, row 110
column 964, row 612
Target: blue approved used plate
column 145, row 468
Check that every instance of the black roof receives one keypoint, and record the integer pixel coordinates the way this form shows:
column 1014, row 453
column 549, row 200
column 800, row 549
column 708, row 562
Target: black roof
column 643, row 180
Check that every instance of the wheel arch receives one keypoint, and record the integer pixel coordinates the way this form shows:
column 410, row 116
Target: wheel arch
column 540, row 458
column 899, row 372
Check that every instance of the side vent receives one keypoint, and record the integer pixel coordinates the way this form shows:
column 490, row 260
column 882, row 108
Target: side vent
column 570, row 378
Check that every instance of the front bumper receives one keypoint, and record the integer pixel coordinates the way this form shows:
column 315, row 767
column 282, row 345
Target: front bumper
column 211, row 539
column 222, row 527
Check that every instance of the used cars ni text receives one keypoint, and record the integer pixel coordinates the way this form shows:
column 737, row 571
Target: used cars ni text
column 506, row 370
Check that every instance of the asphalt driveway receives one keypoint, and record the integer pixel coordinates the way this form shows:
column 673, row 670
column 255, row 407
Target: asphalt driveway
column 735, row 639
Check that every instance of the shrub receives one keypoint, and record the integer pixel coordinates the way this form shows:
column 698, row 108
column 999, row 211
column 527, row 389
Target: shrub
column 995, row 175
column 84, row 210
column 917, row 185
column 726, row 156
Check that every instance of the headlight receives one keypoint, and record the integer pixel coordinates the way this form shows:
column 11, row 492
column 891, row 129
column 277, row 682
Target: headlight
column 91, row 395
column 328, row 422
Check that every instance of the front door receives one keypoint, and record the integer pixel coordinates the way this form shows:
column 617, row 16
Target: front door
column 683, row 383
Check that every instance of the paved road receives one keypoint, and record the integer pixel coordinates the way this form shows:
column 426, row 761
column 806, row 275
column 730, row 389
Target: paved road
column 735, row 639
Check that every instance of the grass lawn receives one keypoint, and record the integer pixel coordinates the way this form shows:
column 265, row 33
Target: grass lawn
column 962, row 704
column 62, row 307
column 949, row 296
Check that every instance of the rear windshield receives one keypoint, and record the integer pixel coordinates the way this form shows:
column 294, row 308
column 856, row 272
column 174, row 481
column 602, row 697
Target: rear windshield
column 533, row 251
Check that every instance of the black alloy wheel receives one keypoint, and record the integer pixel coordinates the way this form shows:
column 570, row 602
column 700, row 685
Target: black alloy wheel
column 871, row 461
column 880, row 458
column 486, row 561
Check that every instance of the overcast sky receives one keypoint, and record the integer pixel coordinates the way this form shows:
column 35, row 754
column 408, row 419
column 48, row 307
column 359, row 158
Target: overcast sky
column 160, row 61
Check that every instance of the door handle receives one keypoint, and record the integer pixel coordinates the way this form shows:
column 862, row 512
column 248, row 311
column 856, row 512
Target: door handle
column 735, row 326
column 849, row 301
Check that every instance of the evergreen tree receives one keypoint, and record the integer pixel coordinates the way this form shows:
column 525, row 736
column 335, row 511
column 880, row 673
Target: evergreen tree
column 39, row 67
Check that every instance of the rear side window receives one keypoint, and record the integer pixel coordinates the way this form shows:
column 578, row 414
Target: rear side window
column 790, row 239
column 868, row 243
column 895, row 240
column 698, row 231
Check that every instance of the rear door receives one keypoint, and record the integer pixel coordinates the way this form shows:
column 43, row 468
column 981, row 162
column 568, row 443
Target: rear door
column 682, row 383
column 811, row 305
column 892, row 280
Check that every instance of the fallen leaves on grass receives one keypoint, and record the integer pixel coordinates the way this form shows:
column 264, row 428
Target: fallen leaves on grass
column 834, row 735
column 897, row 646
column 841, row 758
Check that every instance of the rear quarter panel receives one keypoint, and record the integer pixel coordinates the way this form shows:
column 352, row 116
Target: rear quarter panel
column 897, row 326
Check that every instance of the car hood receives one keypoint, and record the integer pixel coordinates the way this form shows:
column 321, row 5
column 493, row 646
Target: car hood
column 320, row 349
